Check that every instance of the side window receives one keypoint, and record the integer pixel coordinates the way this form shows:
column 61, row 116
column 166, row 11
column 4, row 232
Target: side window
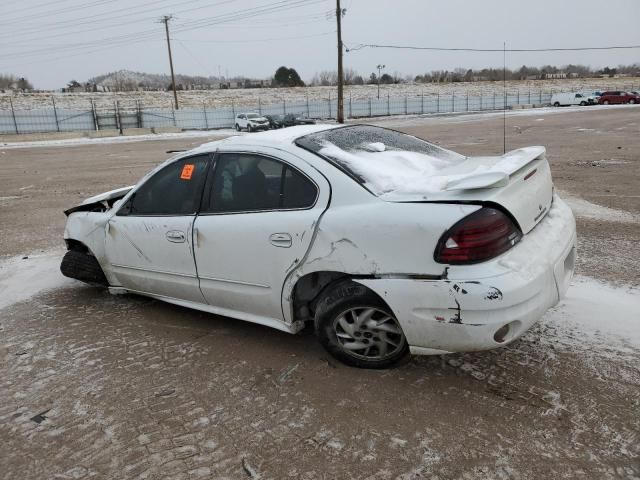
column 174, row 190
column 247, row 182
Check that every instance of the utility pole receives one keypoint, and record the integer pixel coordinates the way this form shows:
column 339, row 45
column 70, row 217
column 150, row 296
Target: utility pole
column 379, row 67
column 340, row 74
column 165, row 20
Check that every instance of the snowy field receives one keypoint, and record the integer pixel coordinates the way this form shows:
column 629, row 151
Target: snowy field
column 267, row 96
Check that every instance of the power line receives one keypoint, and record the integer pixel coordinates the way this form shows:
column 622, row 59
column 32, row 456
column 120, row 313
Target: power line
column 144, row 35
column 443, row 49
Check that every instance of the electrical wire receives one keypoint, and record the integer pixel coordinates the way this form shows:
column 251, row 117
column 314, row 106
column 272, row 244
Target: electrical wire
column 442, row 49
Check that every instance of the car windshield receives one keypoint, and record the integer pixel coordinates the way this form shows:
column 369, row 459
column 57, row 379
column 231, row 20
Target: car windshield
column 384, row 161
column 253, row 115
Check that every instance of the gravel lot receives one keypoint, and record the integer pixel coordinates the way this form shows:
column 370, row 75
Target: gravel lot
column 94, row 385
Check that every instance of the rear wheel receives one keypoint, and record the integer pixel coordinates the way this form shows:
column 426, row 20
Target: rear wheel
column 606, row 102
column 583, row 103
column 633, row 100
column 557, row 104
column 84, row 267
column 237, row 127
column 355, row 326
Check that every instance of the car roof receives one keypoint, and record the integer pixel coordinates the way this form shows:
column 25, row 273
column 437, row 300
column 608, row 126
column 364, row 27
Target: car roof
column 270, row 138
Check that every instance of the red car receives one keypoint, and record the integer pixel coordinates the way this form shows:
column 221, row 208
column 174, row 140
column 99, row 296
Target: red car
column 618, row 97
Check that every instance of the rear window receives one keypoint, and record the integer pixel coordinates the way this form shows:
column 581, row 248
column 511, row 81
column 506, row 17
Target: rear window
column 382, row 160
column 252, row 115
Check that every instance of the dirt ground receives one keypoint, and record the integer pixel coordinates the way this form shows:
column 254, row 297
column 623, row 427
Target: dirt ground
column 94, row 385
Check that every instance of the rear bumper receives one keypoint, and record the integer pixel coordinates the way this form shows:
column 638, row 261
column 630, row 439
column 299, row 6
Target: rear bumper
column 465, row 311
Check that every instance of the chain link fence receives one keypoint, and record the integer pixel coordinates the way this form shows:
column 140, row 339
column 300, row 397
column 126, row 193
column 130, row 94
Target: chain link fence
column 135, row 115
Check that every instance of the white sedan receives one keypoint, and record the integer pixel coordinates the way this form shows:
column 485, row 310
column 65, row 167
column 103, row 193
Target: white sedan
column 386, row 243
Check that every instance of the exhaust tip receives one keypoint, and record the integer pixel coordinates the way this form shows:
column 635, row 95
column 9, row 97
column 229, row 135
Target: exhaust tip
column 501, row 334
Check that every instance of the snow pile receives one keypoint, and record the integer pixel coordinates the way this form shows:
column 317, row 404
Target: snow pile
column 598, row 311
column 23, row 277
column 393, row 170
column 585, row 209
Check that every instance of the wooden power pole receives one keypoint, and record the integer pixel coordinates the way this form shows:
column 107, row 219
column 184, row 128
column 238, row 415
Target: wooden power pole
column 165, row 20
column 340, row 73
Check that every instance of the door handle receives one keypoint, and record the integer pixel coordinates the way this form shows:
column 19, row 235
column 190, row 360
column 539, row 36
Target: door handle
column 280, row 240
column 176, row 236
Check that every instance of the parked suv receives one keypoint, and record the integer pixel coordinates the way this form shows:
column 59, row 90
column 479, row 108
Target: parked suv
column 614, row 97
column 251, row 121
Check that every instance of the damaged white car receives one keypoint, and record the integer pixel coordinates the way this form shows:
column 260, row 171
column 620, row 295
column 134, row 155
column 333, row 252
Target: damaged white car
column 387, row 243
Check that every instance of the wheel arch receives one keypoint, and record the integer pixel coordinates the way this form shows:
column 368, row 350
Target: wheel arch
column 311, row 288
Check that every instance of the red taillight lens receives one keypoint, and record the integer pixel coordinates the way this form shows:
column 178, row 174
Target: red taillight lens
column 480, row 236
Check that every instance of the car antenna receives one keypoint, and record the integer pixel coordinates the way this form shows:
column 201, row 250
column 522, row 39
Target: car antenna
column 504, row 87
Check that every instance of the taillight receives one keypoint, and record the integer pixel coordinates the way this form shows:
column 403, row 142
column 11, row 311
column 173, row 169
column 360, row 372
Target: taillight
column 483, row 235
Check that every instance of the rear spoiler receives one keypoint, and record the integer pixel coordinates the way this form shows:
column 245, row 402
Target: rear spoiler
column 498, row 174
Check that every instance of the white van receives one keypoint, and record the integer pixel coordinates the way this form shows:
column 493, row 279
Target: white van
column 563, row 99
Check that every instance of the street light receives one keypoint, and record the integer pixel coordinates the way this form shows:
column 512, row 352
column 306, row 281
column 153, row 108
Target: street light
column 379, row 67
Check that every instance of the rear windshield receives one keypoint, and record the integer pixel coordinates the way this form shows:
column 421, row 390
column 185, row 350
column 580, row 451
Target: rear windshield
column 253, row 115
column 384, row 161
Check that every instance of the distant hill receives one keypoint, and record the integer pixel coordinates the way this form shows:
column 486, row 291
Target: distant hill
column 124, row 80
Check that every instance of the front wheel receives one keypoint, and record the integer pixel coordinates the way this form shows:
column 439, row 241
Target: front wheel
column 632, row 101
column 355, row 326
column 249, row 128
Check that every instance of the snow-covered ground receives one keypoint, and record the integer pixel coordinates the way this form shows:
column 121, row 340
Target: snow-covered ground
column 241, row 97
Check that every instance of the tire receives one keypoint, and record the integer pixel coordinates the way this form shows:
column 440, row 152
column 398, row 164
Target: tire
column 557, row 104
column 237, row 127
column 632, row 101
column 84, row 267
column 249, row 128
column 582, row 104
column 350, row 314
column 606, row 102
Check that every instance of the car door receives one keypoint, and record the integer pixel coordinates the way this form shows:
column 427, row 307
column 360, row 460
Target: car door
column 256, row 224
column 149, row 240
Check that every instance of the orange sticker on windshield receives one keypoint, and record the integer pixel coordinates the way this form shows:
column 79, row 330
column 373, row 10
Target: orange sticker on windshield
column 187, row 171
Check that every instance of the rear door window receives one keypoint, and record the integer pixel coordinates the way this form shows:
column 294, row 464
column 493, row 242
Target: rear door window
column 244, row 182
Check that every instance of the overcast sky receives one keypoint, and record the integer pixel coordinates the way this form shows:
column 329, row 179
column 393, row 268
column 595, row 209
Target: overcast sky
column 52, row 42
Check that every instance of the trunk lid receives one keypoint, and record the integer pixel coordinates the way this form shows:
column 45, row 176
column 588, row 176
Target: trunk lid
column 519, row 181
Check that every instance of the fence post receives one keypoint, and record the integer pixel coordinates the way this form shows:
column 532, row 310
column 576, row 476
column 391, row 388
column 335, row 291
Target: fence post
column 259, row 106
column 308, row 111
column 118, row 118
column 13, row 114
column 284, row 105
column 438, row 104
column 96, row 125
column 350, row 111
column 138, row 114
column 422, row 101
column 453, row 102
column 529, row 102
column 540, row 92
column 204, row 110
column 494, row 99
column 481, row 102
column 329, row 104
column 467, row 100
column 370, row 111
column 173, row 115
column 406, row 106
column 388, row 103
column 55, row 113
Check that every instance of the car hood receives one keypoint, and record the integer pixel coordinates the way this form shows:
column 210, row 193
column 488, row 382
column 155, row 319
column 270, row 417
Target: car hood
column 104, row 200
